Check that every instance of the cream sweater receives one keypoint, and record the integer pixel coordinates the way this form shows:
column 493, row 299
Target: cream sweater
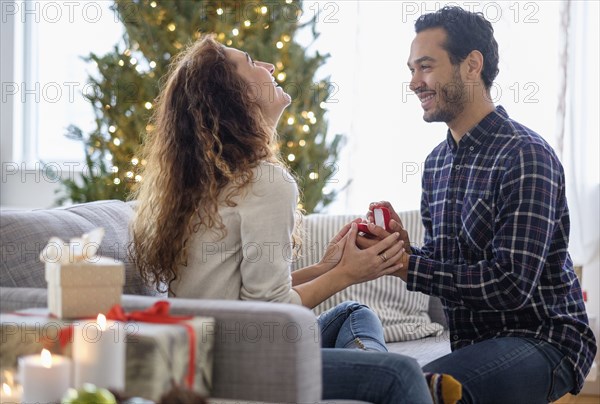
column 253, row 260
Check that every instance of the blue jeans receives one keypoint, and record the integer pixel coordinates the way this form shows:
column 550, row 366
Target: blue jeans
column 355, row 374
column 508, row 370
column 351, row 325
column 375, row 377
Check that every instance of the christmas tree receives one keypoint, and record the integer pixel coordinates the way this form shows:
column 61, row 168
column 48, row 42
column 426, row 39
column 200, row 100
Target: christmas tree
column 128, row 80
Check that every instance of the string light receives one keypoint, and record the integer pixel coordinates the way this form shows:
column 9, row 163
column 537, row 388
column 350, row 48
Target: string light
column 286, row 38
column 152, row 64
column 148, row 105
column 281, row 76
column 133, row 61
column 279, row 44
column 112, row 129
column 117, row 141
column 313, row 176
column 291, row 157
column 153, row 4
column 115, row 169
column 171, row 27
column 246, row 23
column 302, row 143
column 129, row 174
column 305, row 128
column 323, row 105
column 135, row 161
column 121, row 63
column 264, row 10
column 138, row 178
column 109, row 157
column 313, row 120
column 290, row 144
column 291, row 120
column 219, row 11
column 235, row 32
column 117, row 181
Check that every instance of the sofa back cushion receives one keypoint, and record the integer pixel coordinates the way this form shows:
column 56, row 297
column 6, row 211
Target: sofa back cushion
column 26, row 232
column 403, row 313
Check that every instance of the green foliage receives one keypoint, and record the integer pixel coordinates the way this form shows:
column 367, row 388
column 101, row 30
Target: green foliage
column 128, row 80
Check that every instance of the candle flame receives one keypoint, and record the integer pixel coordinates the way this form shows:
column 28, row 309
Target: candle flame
column 46, row 358
column 101, row 320
column 6, row 389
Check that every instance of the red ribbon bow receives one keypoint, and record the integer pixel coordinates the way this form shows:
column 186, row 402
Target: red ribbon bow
column 158, row 313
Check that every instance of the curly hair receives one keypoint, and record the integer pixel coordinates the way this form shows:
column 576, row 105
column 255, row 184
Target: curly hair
column 208, row 134
column 466, row 32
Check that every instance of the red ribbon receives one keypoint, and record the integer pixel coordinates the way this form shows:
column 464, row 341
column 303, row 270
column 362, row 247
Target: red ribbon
column 159, row 313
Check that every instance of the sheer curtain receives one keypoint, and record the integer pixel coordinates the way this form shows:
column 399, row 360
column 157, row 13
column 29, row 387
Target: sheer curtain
column 581, row 144
column 387, row 140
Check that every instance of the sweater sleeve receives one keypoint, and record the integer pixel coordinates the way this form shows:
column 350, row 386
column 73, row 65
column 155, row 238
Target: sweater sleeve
column 266, row 224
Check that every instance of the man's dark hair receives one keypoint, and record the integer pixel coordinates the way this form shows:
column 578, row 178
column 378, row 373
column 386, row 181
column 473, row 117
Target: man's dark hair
column 465, row 32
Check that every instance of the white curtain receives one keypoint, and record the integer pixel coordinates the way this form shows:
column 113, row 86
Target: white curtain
column 581, row 144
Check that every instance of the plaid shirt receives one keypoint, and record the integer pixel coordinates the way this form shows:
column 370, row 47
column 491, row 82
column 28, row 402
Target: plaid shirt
column 496, row 237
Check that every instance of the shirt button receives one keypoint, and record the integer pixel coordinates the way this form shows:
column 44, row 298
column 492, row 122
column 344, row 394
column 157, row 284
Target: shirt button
column 455, row 337
column 472, row 148
column 457, row 166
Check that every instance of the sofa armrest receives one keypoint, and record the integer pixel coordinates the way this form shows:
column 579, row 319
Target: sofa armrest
column 262, row 351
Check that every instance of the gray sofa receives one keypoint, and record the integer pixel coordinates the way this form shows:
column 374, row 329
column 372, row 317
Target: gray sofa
column 256, row 358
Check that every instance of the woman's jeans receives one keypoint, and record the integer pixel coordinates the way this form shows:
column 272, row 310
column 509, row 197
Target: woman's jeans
column 508, row 370
column 351, row 325
column 354, row 374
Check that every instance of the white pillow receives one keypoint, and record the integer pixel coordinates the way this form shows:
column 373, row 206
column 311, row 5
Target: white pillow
column 404, row 314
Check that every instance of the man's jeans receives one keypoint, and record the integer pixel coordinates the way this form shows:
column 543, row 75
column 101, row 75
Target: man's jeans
column 351, row 325
column 508, row 370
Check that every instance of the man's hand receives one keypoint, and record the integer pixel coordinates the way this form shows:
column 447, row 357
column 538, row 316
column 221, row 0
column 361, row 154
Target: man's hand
column 395, row 225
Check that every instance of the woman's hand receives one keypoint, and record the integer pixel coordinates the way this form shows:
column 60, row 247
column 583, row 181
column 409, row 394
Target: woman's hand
column 335, row 248
column 382, row 258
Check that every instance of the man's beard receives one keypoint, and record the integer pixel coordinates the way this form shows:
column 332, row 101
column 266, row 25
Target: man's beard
column 453, row 99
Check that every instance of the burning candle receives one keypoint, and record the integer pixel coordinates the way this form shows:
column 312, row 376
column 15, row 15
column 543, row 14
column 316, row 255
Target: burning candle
column 99, row 354
column 10, row 392
column 45, row 378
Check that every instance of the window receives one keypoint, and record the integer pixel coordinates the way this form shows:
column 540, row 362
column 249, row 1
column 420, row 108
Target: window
column 387, row 140
column 56, row 35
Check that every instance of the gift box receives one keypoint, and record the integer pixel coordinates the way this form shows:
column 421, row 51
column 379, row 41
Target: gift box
column 84, row 288
column 157, row 356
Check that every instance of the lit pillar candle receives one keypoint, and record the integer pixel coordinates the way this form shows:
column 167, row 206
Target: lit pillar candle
column 45, row 378
column 10, row 392
column 99, row 354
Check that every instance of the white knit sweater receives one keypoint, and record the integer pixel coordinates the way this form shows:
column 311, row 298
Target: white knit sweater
column 253, row 260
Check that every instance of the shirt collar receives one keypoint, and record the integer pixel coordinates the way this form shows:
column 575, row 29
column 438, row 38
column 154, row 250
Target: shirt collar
column 477, row 135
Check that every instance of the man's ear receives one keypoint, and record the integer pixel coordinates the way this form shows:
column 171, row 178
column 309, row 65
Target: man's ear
column 474, row 65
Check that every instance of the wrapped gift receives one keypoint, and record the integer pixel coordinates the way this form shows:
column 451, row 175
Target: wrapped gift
column 81, row 284
column 158, row 355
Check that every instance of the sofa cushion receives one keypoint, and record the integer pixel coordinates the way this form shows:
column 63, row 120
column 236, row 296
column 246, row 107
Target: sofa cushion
column 26, row 232
column 403, row 313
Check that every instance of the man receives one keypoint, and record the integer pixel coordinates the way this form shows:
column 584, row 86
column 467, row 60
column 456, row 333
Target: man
column 497, row 227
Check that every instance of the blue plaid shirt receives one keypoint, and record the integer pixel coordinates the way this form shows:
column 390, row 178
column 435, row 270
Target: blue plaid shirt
column 496, row 237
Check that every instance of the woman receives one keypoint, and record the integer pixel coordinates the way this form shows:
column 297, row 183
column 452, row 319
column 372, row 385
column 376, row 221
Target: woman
column 216, row 217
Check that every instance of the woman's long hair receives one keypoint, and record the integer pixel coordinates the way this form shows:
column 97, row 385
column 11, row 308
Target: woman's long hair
column 208, row 134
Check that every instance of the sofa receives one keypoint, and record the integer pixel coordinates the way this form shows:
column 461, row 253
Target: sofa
column 263, row 352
